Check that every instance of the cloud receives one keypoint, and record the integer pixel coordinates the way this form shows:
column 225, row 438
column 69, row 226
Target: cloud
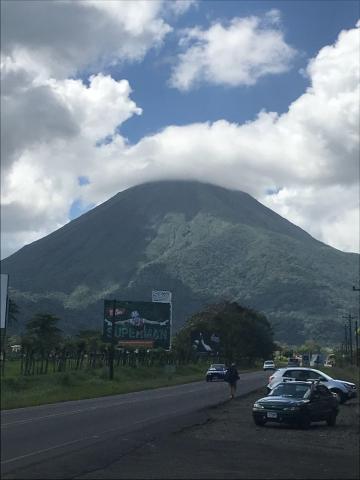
column 51, row 135
column 59, row 129
column 51, row 122
column 237, row 53
column 330, row 213
column 97, row 33
column 307, row 157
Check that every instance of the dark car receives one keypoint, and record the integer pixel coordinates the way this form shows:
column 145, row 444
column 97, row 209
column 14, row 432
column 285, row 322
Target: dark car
column 216, row 371
column 298, row 403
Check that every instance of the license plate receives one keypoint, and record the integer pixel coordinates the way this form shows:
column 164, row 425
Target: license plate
column 271, row 414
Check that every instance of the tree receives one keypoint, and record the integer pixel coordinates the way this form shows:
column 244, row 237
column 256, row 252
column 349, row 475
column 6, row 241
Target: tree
column 90, row 341
column 13, row 312
column 310, row 346
column 42, row 336
column 245, row 335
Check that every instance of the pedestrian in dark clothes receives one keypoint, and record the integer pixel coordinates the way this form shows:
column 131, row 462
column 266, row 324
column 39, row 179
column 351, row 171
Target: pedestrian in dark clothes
column 232, row 376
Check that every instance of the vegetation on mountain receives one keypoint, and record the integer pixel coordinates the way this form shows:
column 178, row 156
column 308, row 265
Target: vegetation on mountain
column 204, row 243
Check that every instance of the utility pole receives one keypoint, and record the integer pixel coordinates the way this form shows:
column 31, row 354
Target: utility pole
column 357, row 343
column 345, row 339
column 349, row 318
column 356, row 332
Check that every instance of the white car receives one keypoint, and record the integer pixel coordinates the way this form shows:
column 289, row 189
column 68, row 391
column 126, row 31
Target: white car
column 269, row 365
column 343, row 390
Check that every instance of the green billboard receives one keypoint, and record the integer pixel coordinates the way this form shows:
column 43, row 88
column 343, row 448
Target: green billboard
column 137, row 323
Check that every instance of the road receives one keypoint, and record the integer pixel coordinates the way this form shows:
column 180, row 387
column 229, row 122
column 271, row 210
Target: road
column 71, row 439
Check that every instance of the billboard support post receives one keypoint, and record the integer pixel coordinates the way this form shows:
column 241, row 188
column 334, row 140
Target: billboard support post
column 111, row 358
column 4, row 298
column 170, row 326
column 164, row 296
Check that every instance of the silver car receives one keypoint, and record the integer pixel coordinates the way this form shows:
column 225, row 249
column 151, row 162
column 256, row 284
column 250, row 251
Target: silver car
column 343, row 390
column 216, row 371
column 269, row 365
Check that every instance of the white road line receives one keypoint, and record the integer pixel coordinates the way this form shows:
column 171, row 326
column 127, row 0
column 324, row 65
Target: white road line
column 97, row 436
column 42, row 451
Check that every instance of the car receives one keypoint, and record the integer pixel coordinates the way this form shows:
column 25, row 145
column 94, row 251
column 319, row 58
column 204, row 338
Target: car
column 297, row 403
column 344, row 390
column 269, row 365
column 216, row 371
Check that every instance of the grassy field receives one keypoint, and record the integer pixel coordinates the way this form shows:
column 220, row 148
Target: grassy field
column 349, row 373
column 19, row 391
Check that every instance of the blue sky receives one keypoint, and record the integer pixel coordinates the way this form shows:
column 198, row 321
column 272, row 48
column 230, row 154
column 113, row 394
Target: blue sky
column 308, row 26
column 99, row 96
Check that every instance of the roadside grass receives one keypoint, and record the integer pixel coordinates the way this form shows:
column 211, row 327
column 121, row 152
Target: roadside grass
column 350, row 373
column 23, row 391
column 20, row 391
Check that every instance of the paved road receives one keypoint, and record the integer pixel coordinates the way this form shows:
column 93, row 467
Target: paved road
column 71, row 439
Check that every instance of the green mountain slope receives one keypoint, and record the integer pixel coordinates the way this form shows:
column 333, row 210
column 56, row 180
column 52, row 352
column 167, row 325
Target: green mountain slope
column 202, row 242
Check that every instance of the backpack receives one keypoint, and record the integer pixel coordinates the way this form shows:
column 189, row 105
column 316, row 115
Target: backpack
column 231, row 376
column 227, row 376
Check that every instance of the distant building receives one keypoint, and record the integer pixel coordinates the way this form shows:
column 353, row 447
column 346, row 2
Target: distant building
column 317, row 359
column 305, row 360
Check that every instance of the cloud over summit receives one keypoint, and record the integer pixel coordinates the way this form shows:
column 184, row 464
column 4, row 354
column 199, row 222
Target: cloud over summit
column 59, row 126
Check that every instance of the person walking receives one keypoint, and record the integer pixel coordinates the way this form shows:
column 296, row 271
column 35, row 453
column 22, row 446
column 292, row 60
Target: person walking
column 232, row 376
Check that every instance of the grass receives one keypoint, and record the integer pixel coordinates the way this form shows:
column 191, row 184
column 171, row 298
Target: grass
column 19, row 391
column 349, row 373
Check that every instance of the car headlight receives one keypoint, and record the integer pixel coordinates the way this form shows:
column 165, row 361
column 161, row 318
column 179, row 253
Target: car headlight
column 349, row 387
column 258, row 405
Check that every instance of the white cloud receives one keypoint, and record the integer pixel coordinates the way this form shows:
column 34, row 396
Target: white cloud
column 235, row 54
column 310, row 153
column 53, row 124
column 330, row 213
column 49, row 149
column 97, row 33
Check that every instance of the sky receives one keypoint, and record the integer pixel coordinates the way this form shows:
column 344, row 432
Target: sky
column 258, row 96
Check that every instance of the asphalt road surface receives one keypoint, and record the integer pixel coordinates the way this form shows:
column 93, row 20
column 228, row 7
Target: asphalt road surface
column 73, row 439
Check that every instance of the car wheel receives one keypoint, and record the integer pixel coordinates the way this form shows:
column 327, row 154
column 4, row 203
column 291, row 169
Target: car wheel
column 340, row 396
column 331, row 420
column 305, row 422
column 259, row 421
column 208, row 379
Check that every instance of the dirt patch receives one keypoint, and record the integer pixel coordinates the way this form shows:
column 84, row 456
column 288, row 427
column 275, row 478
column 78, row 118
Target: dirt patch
column 229, row 445
column 227, row 422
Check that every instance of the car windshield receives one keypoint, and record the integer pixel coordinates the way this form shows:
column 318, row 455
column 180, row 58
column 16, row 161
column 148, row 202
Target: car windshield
column 291, row 390
column 218, row 366
column 269, row 362
column 321, row 374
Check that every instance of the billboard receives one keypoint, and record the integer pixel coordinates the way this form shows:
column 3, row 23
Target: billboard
column 205, row 341
column 137, row 322
column 4, row 298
